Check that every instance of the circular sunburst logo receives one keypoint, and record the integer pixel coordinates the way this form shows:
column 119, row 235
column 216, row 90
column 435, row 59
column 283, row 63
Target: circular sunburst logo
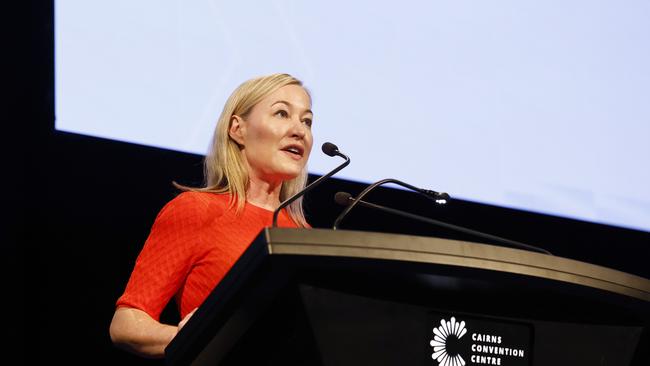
column 445, row 342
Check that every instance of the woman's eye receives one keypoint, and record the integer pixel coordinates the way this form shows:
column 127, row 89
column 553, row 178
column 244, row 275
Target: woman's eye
column 282, row 113
column 307, row 121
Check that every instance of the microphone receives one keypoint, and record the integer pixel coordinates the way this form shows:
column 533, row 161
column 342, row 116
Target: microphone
column 346, row 199
column 439, row 198
column 329, row 149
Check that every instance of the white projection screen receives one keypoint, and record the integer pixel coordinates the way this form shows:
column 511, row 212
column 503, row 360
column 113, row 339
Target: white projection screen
column 541, row 106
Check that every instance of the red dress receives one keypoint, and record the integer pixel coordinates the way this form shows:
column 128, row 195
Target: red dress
column 194, row 241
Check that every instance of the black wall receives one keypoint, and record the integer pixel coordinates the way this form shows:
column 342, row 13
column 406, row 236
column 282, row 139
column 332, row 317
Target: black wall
column 78, row 209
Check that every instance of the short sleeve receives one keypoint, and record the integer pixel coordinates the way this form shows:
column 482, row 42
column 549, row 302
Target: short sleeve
column 167, row 255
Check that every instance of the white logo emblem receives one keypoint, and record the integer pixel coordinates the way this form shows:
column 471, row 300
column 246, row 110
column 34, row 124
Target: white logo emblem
column 448, row 331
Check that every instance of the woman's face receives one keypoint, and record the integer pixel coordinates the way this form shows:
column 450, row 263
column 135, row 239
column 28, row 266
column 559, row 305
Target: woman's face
column 276, row 135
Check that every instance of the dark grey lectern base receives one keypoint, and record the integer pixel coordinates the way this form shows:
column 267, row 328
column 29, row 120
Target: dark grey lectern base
column 322, row 297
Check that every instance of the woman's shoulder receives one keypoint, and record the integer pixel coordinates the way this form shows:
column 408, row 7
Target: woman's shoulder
column 199, row 203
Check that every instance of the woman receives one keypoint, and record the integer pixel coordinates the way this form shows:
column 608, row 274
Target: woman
column 257, row 159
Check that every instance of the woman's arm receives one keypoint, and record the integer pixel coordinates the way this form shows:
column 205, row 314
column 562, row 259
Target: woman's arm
column 135, row 331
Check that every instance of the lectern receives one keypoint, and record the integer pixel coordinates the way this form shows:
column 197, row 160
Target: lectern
column 339, row 297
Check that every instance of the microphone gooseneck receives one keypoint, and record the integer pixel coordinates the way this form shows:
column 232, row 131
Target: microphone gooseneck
column 440, row 198
column 346, row 199
column 329, row 149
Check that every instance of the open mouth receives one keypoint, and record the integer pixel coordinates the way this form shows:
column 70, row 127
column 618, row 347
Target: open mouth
column 295, row 150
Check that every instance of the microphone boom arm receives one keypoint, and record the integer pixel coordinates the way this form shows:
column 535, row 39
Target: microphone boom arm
column 508, row 242
column 432, row 195
column 331, row 150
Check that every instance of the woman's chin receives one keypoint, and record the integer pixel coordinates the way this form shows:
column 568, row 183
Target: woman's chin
column 290, row 171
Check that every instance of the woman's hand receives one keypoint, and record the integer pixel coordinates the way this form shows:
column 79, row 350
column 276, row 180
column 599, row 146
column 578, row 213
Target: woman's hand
column 187, row 317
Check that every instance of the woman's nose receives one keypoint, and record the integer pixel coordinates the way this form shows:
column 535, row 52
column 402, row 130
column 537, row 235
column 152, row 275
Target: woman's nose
column 299, row 129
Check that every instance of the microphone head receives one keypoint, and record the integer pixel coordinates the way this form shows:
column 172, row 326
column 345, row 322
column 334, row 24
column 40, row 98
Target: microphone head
column 443, row 196
column 343, row 198
column 330, row 149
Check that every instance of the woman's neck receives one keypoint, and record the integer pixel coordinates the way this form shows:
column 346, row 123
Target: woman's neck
column 264, row 194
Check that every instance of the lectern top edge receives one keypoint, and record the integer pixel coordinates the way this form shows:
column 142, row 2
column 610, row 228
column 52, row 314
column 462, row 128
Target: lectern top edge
column 374, row 245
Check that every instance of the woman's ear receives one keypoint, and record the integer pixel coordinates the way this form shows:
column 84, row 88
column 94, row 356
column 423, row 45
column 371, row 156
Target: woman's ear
column 237, row 130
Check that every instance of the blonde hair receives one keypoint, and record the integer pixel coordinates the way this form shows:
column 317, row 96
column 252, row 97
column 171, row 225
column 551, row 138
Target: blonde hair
column 223, row 167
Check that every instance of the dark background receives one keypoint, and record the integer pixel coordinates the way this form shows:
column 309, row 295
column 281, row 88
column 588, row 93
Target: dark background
column 77, row 209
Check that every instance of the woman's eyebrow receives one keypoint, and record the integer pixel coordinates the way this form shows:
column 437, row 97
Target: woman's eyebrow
column 290, row 105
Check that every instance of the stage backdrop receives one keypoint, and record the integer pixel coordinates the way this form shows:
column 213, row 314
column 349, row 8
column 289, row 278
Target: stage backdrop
column 537, row 106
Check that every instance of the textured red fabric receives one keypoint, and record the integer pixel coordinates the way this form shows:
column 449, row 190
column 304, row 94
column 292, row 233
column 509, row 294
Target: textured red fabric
column 194, row 241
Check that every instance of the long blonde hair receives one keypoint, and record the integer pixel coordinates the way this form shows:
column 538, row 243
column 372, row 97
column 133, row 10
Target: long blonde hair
column 223, row 167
